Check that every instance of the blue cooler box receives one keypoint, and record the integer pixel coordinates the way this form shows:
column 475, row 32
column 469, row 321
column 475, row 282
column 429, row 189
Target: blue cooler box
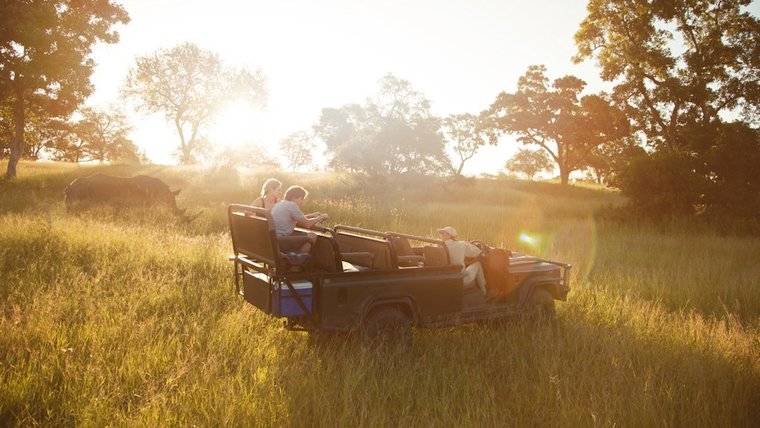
column 284, row 304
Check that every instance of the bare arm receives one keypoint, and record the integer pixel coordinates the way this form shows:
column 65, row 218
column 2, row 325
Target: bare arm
column 307, row 222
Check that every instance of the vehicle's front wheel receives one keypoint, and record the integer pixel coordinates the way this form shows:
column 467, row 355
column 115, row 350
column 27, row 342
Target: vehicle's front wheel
column 541, row 305
column 387, row 327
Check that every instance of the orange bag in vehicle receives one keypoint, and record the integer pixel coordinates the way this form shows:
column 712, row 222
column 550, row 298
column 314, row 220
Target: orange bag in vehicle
column 497, row 273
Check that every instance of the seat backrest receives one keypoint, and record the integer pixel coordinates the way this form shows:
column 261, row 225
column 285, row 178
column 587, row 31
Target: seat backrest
column 380, row 248
column 325, row 255
column 436, row 255
column 401, row 245
column 253, row 233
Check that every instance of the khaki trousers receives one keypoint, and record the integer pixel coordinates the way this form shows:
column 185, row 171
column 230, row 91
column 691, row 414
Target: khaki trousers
column 474, row 272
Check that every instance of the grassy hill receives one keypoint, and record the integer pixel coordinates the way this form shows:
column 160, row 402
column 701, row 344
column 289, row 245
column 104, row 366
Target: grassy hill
column 118, row 317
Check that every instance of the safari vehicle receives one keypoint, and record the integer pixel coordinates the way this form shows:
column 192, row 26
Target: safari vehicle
column 378, row 284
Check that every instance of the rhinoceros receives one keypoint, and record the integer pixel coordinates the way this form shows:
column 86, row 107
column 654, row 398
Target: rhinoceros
column 140, row 190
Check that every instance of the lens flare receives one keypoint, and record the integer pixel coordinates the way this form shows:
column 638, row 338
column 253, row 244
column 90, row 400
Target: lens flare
column 525, row 238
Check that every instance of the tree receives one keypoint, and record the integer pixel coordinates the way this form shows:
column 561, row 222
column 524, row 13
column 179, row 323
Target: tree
column 681, row 69
column 604, row 160
column 390, row 134
column 734, row 177
column 42, row 133
column 104, row 135
column 188, row 85
column 714, row 69
column 67, row 146
column 297, row 149
column 464, row 135
column 556, row 118
column 529, row 163
column 661, row 184
column 45, row 48
column 6, row 129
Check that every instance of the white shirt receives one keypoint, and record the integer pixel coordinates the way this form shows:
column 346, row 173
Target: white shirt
column 458, row 250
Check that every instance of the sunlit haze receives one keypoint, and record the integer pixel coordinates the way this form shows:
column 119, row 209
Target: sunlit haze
column 319, row 54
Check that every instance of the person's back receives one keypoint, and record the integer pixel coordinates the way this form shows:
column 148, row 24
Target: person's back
column 285, row 215
column 458, row 251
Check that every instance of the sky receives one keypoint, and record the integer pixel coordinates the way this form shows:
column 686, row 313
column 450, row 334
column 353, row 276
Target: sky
column 328, row 53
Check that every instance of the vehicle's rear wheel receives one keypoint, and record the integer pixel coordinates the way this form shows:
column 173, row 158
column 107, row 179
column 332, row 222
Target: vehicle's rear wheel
column 541, row 305
column 387, row 327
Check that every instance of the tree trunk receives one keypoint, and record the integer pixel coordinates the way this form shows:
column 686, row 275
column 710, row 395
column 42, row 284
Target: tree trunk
column 564, row 174
column 461, row 167
column 17, row 142
column 184, row 147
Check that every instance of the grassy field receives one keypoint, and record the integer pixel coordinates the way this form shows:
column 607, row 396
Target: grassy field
column 112, row 318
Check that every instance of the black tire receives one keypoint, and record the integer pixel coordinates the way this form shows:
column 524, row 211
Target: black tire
column 541, row 305
column 387, row 327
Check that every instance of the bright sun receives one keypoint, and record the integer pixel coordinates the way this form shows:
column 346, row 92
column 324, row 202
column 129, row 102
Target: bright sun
column 235, row 124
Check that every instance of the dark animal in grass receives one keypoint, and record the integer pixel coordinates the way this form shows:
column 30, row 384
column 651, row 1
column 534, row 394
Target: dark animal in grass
column 138, row 191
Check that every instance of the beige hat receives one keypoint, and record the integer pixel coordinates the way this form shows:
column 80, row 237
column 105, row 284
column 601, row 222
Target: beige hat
column 450, row 230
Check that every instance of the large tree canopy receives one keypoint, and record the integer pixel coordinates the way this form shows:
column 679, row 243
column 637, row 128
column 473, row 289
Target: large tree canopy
column 390, row 134
column 188, row 85
column 44, row 57
column 675, row 63
column 556, row 118
column 688, row 74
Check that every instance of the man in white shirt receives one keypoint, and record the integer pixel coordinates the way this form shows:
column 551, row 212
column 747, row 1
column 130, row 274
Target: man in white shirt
column 287, row 215
column 458, row 250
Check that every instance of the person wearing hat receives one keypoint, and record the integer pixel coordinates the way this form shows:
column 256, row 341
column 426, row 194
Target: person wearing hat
column 458, row 250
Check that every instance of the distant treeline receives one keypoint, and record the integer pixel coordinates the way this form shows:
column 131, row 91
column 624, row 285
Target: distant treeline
column 678, row 133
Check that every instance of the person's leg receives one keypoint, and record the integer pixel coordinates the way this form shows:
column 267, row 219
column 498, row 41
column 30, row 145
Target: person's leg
column 469, row 280
column 475, row 271
column 306, row 247
column 293, row 243
column 312, row 237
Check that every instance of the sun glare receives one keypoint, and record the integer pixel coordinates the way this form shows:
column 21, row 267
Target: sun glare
column 525, row 238
column 235, row 124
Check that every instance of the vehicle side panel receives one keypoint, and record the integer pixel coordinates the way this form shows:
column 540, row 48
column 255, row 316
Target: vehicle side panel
column 345, row 298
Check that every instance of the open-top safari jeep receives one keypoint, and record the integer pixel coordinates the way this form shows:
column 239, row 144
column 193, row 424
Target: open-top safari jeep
column 377, row 283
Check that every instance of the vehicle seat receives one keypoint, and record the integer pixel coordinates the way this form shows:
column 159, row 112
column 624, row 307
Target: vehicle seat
column 435, row 256
column 349, row 267
column 405, row 254
column 361, row 258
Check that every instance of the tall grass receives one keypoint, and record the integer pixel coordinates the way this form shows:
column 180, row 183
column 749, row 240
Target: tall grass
column 127, row 318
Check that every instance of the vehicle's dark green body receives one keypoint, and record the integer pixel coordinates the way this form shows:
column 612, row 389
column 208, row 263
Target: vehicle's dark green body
column 423, row 286
column 426, row 293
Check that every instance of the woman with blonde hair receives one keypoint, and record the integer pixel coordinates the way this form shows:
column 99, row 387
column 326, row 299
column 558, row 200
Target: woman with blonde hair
column 270, row 194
